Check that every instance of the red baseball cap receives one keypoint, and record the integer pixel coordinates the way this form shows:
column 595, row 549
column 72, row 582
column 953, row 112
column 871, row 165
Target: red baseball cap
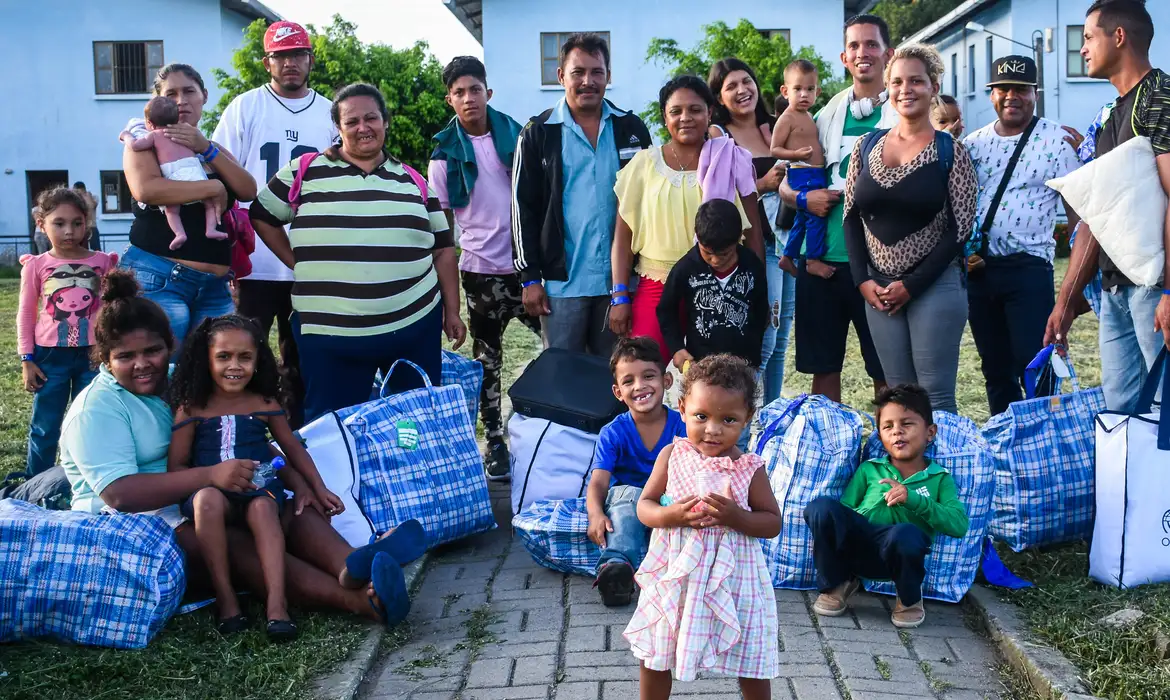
column 286, row 36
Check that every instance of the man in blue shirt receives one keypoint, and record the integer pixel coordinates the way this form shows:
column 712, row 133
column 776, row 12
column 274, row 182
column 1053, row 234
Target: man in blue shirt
column 564, row 207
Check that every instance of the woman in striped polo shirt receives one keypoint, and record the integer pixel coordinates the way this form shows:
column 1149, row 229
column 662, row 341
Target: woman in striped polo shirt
column 374, row 264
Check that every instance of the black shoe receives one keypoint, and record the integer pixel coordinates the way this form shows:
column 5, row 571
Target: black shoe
column 232, row 625
column 615, row 581
column 497, row 462
column 280, row 631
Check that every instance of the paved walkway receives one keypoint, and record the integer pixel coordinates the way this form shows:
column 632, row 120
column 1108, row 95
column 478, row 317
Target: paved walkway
column 489, row 624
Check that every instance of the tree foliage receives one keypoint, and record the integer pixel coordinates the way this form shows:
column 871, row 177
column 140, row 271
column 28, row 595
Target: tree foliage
column 766, row 55
column 906, row 17
column 410, row 80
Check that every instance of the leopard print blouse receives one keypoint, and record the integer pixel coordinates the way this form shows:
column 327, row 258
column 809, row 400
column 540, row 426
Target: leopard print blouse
column 905, row 224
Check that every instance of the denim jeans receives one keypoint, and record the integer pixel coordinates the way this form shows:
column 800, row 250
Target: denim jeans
column 580, row 324
column 1009, row 301
column 186, row 295
column 67, row 372
column 1129, row 343
column 782, row 302
column 847, row 545
column 630, row 538
column 920, row 343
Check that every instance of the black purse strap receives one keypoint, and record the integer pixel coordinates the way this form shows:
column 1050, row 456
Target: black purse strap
column 1003, row 184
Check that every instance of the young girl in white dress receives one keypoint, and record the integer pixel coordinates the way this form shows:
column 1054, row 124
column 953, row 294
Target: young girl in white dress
column 706, row 602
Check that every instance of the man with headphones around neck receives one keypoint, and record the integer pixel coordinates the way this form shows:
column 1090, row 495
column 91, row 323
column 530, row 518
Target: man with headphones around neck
column 827, row 300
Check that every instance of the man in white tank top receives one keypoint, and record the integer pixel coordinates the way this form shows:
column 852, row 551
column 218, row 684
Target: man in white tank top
column 265, row 128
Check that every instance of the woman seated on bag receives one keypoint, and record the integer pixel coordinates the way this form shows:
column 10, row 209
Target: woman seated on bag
column 376, row 278
column 190, row 283
column 114, row 445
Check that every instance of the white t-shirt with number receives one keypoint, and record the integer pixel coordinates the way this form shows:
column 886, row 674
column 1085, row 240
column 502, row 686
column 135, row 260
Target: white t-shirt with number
column 264, row 131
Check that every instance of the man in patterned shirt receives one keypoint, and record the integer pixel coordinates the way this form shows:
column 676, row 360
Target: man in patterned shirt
column 1135, row 320
column 1010, row 295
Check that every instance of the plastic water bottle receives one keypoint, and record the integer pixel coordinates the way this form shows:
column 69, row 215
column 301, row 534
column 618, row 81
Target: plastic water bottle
column 266, row 471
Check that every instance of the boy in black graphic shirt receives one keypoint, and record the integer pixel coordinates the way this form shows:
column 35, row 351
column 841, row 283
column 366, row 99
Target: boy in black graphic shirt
column 1135, row 320
column 716, row 297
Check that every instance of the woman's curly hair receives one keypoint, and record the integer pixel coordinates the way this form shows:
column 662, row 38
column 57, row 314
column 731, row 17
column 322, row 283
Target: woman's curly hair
column 192, row 384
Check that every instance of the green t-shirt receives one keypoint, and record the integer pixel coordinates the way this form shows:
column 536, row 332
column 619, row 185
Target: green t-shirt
column 835, row 234
column 932, row 500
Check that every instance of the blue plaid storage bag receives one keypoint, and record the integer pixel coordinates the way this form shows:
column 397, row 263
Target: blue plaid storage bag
column 1043, row 452
column 98, row 580
column 952, row 562
column 417, row 458
column 810, row 446
column 555, row 533
column 467, row 374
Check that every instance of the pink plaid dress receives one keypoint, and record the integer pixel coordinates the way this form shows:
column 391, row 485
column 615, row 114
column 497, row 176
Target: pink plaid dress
column 706, row 603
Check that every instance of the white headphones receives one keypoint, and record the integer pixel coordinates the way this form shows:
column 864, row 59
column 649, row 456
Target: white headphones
column 864, row 107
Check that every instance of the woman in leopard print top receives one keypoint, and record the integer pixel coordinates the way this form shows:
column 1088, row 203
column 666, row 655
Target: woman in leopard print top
column 905, row 226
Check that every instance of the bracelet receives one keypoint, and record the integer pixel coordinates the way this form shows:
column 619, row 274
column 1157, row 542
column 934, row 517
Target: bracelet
column 214, row 153
column 618, row 301
column 529, row 283
column 29, row 357
column 210, row 147
column 619, row 288
column 802, row 201
column 1166, row 292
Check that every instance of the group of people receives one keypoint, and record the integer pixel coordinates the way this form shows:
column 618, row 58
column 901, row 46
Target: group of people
column 701, row 252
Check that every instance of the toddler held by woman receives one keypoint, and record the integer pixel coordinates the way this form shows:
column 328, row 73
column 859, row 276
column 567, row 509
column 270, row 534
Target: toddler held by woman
column 707, row 603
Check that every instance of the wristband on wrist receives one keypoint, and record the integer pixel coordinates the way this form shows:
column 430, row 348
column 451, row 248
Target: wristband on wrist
column 802, row 201
column 619, row 288
column 214, row 153
column 207, row 153
column 529, row 283
column 27, row 357
column 1166, row 292
column 618, row 301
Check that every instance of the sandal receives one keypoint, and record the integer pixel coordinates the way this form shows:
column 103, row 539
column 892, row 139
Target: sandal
column 280, row 631
column 404, row 543
column 390, row 587
column 231, row 625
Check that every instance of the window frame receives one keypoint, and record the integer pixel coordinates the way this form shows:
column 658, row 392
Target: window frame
column 971, row 69
column 955, row 74
column 990, row 58
column 1070, row 52
column 149, row 68
column 122, row 193
column 769, row 33
column 560, row 38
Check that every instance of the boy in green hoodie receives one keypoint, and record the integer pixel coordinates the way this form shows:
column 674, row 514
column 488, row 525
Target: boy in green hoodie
column 883, row 526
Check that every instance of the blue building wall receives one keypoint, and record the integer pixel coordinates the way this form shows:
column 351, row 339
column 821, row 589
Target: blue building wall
column 1069, row 100
column 512, row 28
column 55, row 121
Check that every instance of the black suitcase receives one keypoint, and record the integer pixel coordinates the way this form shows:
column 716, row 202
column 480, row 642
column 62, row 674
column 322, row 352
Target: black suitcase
column 568, row 388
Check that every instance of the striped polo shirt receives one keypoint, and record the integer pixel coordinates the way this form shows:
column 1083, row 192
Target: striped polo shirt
column 362, row 245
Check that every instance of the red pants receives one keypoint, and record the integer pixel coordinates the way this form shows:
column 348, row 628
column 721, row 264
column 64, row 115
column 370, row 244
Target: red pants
column 644, row 314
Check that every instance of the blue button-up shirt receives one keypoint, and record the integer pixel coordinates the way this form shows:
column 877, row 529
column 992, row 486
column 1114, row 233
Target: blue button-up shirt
column 590, row 205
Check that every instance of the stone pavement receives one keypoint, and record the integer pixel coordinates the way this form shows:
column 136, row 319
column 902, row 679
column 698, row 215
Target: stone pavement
column 490, row 624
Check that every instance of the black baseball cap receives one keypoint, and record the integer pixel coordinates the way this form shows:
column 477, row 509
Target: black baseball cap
column 1013, row 70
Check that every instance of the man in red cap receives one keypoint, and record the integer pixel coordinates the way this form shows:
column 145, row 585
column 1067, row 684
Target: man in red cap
column 266, row 128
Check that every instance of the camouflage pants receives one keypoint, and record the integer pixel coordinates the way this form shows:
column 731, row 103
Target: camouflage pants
column 492, row 301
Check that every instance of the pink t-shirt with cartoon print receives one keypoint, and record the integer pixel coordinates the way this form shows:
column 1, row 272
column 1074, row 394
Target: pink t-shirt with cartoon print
column 59, row 300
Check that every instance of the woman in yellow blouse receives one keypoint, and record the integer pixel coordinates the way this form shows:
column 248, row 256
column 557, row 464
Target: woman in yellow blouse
column 658, row 194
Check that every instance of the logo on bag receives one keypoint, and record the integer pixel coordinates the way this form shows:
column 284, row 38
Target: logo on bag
column 407, row 434
column 1166, row 528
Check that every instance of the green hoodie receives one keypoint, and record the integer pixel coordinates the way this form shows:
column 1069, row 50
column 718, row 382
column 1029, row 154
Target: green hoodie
column 932, row 501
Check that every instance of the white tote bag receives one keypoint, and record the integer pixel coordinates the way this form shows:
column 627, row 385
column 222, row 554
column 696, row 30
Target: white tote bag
column 549, row 460
column 1131, row 535
column 331, row 446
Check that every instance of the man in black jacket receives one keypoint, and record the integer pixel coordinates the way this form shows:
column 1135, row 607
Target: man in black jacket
column 563, row 203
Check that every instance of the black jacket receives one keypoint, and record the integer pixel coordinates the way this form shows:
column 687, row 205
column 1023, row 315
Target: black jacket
column 696, row 312
column 538, row 215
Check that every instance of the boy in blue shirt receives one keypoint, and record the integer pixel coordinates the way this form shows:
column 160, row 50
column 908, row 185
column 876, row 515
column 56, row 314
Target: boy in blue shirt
column 626, row 450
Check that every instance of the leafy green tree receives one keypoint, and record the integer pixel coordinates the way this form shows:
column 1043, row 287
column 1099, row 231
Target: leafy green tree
column 410, row 80
column 907, row 17
column 766, row 55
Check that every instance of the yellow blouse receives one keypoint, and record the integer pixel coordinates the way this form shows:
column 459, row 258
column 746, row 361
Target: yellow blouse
column 659, row 205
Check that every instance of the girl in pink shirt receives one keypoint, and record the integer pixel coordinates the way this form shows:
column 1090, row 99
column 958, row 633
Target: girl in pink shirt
column 59, row 298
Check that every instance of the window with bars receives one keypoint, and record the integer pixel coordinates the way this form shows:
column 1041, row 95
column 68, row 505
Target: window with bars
column 116, row 197
column 125, row 67
column 1074, row 61
column 550, row 53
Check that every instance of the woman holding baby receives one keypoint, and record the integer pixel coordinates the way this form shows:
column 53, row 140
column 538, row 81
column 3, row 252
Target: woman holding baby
column 190, row 282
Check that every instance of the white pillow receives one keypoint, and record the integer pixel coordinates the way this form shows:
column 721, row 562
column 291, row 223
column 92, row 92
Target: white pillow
column 1120, row 197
